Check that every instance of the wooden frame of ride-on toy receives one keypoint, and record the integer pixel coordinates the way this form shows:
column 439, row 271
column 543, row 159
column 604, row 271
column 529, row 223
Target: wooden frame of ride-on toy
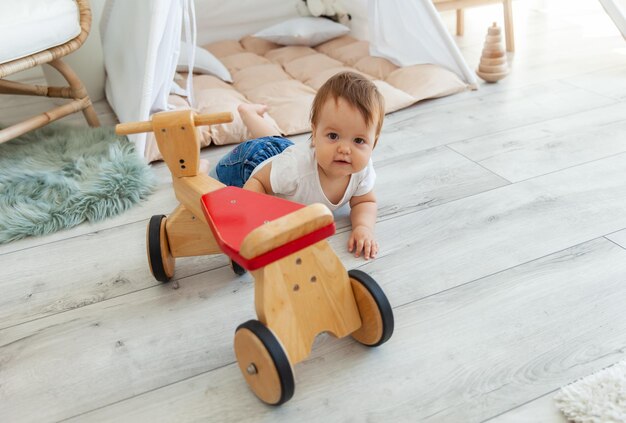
column 301, row 286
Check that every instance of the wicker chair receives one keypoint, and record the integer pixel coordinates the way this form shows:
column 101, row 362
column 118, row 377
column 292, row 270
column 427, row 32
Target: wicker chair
column 52, row 56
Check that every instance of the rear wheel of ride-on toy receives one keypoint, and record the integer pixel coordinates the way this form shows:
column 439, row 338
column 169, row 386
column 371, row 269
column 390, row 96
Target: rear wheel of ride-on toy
column 374, row 308
column 264, row 363
column 159, row 256
column 237, row 268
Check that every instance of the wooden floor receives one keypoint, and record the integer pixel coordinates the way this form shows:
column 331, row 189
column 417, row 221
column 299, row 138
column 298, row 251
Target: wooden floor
column 502, row 229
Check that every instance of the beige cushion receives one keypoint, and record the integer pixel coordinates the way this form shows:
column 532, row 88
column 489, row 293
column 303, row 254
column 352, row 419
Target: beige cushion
column 287, row 54
column 335, row 43
column 287, row 78
column 318, row 80
column 378, row 67
column 236, row 62
column 255, row 76
column 257, row 45
column 307, row 67
column 289, row 104
column 218, row 100
column 426, row 81
column 351, row 53
column 224, row 48
column 208, row 99
column 395, row 99
column 205, row 82
column 215, row 100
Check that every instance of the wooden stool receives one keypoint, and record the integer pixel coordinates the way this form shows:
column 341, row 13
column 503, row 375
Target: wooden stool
column 459, row 5
column 301, row 286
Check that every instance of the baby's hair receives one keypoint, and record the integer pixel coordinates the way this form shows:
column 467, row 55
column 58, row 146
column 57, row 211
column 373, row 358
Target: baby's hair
column 358, row 92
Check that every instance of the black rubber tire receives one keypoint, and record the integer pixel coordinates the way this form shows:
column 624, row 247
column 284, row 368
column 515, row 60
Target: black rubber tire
column 237, row 268
column 154, row 249
column 384, row 308
column 278, row 355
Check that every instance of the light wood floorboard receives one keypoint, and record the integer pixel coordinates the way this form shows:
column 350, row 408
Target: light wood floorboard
column 618, row 238
column 609, row 83
column 426, row 252
column 487, row 114
column 459, row 355
column 540, row 410
column 503, row 250
column 441, row 174
column 573, row 31
column 551, row 145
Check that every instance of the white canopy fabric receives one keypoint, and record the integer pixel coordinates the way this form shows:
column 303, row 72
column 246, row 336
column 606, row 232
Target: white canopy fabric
column 616, row 9
column 141, row 41
column 410, row 33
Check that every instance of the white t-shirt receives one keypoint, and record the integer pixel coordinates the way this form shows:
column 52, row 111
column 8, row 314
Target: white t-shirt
column 294, row 176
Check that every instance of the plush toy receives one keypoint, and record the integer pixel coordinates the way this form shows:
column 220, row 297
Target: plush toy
column 330, row 9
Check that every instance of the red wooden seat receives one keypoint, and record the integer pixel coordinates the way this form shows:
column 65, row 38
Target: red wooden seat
column 232, row 213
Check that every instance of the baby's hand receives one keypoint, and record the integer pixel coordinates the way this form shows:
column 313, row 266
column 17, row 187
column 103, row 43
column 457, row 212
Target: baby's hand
column 362, row 239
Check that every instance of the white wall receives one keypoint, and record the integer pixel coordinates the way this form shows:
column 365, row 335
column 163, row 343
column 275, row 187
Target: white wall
column 219, row 20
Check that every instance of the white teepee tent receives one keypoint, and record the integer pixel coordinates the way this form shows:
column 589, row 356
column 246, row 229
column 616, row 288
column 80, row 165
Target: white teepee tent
column 142, row 38
column 616, row 9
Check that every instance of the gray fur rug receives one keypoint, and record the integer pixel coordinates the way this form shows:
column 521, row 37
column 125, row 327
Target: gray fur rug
column 59, row 176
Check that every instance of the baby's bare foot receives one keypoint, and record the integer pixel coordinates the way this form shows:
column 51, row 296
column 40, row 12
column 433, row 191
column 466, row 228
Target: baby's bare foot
column 259, row 109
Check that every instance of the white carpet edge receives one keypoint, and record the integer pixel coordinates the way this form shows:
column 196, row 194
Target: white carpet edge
column 597, row 398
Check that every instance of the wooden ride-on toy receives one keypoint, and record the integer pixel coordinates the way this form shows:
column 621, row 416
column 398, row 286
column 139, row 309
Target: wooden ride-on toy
column 301, row 286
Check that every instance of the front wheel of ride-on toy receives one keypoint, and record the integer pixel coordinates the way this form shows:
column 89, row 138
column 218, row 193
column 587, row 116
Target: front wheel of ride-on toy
column 264, row 363
column 159, row 256
column 374, row 308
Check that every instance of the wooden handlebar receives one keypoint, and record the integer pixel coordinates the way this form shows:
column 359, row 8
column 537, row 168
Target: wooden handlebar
column 213, row 118
column 199, row 120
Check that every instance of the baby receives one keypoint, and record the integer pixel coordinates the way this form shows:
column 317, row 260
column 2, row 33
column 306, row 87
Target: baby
column 336, row 168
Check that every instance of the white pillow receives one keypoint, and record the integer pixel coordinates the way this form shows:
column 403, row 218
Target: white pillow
column 306, row 31
column 204, row 63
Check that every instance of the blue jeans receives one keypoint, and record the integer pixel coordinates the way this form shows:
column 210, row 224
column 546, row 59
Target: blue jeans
column 235, row 168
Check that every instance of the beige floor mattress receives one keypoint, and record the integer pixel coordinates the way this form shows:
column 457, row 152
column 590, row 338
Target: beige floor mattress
column 286, row 79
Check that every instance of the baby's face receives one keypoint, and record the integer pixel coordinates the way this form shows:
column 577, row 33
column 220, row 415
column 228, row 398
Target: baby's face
column 342, row 139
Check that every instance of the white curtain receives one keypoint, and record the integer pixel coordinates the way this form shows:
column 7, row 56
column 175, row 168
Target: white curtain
column 616, row 9
column 411, row 33
column 141, row 41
